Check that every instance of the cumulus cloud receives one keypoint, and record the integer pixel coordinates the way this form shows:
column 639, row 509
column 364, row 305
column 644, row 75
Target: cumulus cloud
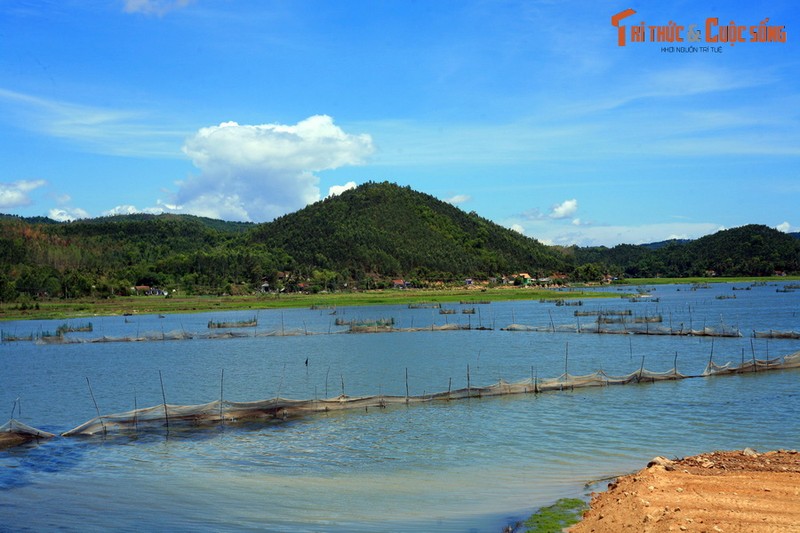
column 67, row 214
column 459, row 199
column 565, row 209
column 132, row 209
column 15, row 194
column 336, row 190
column 518, row 228
column 611, row 235
column 154, row 7
column 259, row 172
column 785, row 227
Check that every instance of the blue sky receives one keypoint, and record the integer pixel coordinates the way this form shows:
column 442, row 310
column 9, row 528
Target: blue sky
column 529, row 112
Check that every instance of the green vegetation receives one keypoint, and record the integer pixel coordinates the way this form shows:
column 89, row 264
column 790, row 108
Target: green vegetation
column 556, row 517
column 72, row 308
column 377, row 236
column 752, row 250
column 382, row 230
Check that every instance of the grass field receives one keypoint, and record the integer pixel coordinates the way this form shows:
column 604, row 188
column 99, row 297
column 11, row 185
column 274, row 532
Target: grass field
column 62, row 309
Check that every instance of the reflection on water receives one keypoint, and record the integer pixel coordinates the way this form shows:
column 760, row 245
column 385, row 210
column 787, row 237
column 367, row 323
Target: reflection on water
column 469, row 465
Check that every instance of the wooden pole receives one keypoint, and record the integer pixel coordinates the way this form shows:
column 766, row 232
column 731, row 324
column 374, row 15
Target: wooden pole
column 712, row 351
column 406, row 384
column 221, row 385
column 164, row 397
column 97, row 409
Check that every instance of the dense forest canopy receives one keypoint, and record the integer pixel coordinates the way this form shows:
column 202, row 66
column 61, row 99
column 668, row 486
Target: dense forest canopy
column 363, row 238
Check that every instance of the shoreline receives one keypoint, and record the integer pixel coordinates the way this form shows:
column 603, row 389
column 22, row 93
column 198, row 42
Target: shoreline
column 57, row 309
column 721, row 491
column 148, row 305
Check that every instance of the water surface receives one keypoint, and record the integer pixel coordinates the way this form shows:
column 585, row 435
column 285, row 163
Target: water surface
column 470, row 465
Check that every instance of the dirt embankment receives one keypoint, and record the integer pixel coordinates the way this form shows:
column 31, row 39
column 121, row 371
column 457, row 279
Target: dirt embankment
column 731, row 491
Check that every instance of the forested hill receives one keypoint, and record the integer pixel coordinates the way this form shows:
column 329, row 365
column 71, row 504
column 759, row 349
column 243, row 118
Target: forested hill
column 752, row 250
column 382, row 228
column 363, row 238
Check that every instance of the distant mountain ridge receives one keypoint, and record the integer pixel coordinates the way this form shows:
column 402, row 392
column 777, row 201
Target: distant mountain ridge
column 751, row 250
column 365, row 237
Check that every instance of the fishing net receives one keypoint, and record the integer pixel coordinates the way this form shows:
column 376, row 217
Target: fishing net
column 644, row 326
column 753, row 365
column 278, row 409
column 14, row 433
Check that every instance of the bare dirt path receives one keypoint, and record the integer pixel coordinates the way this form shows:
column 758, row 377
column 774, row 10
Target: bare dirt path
column 731, row 491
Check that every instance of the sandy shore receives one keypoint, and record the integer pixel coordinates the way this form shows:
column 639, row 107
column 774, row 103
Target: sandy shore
column 732, row 491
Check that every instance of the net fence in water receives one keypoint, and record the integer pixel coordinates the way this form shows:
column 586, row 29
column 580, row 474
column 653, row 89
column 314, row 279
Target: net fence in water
column 14, row 433
column 643, row 327
column 169, row 416
column 279, row 409
column 753, row 365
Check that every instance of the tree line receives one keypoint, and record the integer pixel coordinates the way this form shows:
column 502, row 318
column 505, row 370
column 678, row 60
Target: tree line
column 364, row 238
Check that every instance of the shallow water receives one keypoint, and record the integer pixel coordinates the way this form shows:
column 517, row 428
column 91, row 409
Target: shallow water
column 470, row 465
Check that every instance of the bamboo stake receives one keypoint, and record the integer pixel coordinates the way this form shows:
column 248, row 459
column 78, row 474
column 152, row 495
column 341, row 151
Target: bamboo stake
column 96, row 408
column 221, row 385
column 406, row 384
column 164, row 397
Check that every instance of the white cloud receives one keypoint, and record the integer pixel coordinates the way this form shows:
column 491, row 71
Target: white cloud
column 100, row 130
column 16, row 194
column 67, row 214
column 259, row 172
column 132, row 209
column 121, row 210
column 154, row 7
column 785, row 227
column 565, row 209
column 458, row 199
column 556, row 232
column 599, row 235
column 336, row 190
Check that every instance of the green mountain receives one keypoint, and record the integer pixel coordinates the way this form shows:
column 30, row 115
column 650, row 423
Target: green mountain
column 110, row 255
column 388, row 230
column 363, row 238
column 752, row 250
